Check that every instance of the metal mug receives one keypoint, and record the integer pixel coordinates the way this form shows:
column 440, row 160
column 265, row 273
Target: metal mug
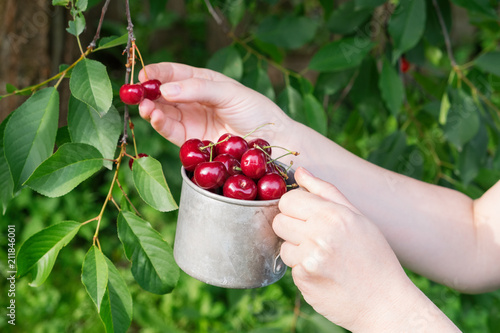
column 227, row 242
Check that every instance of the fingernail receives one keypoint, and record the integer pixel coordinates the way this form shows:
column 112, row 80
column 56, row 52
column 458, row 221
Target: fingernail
column 170, row 89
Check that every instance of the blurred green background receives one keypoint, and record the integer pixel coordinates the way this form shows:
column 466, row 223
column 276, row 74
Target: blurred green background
column 263, row 37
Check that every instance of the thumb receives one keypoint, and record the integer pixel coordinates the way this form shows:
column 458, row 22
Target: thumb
column 321, row 188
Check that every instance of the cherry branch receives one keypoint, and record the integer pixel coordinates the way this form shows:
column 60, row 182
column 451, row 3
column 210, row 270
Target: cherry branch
column 104, row 9
column 131, row 38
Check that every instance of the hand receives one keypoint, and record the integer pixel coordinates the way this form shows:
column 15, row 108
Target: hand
column 200, row 103
column 340, row 261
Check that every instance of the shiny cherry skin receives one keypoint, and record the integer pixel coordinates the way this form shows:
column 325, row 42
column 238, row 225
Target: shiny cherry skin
column 271, row 186
column 232, row 165
column 152, row 89
column 132, row 94
column 131, row 161
column 260, row 143
column 240, row 187
column 272, row 167
column 210, row 175
column 253, row 163
column 234, row 145
column 191, row 154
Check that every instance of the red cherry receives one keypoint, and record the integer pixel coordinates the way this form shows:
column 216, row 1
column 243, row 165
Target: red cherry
column 152, row 89
column 210, row 175
column 132, row 94
column 240, row 187
column 271, row 186
column 260, row 143
column 234, row 145
column 131, row 161
column 253, row 163
column 405, row 65
column 232, row 165
column 191, row 154
column 272, row 167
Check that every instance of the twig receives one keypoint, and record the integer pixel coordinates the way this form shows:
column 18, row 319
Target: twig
column 126, row 197
column 216, row 16
column 130, row 30
column 446, row 36
column 93, row 44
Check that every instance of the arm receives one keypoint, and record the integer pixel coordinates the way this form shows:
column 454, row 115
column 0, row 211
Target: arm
column 435, row 231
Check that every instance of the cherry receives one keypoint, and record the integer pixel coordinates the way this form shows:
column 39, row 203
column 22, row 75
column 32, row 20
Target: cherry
column 152, row 89
column 209, row 144
column 210, row 175
column 253, row 163
column 131, row 161
column 232, row 165
column 272, row 167
column 405, row 65
column 260, row 143
column 191, row 154
column 240, row 187
column 132, row 94
column 233, row 145
column 271, row 186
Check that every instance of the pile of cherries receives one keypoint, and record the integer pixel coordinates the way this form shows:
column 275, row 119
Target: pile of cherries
column 234, row 167
column 134, row 93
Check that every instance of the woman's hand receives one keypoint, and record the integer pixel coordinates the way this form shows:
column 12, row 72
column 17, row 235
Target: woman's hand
column 343, row 265
column 201, row 103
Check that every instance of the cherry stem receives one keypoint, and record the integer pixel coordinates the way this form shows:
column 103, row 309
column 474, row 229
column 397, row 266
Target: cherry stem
column 132, row 60
column 126, row 197
column 131, row 126
column 256, row 129
column 142, row 62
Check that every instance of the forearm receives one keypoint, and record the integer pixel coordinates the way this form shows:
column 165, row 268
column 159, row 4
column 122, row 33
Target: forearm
column 430, row 228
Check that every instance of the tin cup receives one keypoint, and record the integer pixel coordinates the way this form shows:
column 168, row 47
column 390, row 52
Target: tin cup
column 227, row 242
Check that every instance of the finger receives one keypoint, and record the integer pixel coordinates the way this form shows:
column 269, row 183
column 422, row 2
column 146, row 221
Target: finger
column 289, row 229
column 169, row 126
column 169, row 72
column 290, row 254
column 196, row 90
column 321, row 188
column 303, row 205
column 146, row 108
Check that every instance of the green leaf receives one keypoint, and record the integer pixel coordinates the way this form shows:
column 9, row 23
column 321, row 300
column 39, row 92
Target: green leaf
column 407, row 25
column 260, row 81
column 228, row 62
column 109, row 42
column 342, row 54
column 30, row 134
column 64, row 3
column 478, row 6
column 9, row 88
column 391, row 88
column 116, row 307
column 462, row 122
column 444, row 108
column 151, row 184
column 86, row 126
column 70, row 165
column 62, row 68
column 39, row 252
column 329, row 83
column 290, row 101
column 390, row 151
column 348, row 17
column 153, row 264
column 95, row 275
column 368, row 3
column 489, row 62
column 315, row 114
column 90, row 84
column 235, row 11
column 472, row 157
column 6, row 182
column 81, row 5
column 77, row 26
column 290, row 32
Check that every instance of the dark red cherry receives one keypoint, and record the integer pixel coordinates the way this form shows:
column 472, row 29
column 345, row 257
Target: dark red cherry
column 271, row 186
column 405, row 65
column 273, row 167
column 152, row 89
column 209, row 144
column 232, row 165
column 210, row 175
column 191, row 154
column 234, row 145
column 132, row 94
column 253, row 163
column 240, row 187
column 260, row 143
column 131, row 161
